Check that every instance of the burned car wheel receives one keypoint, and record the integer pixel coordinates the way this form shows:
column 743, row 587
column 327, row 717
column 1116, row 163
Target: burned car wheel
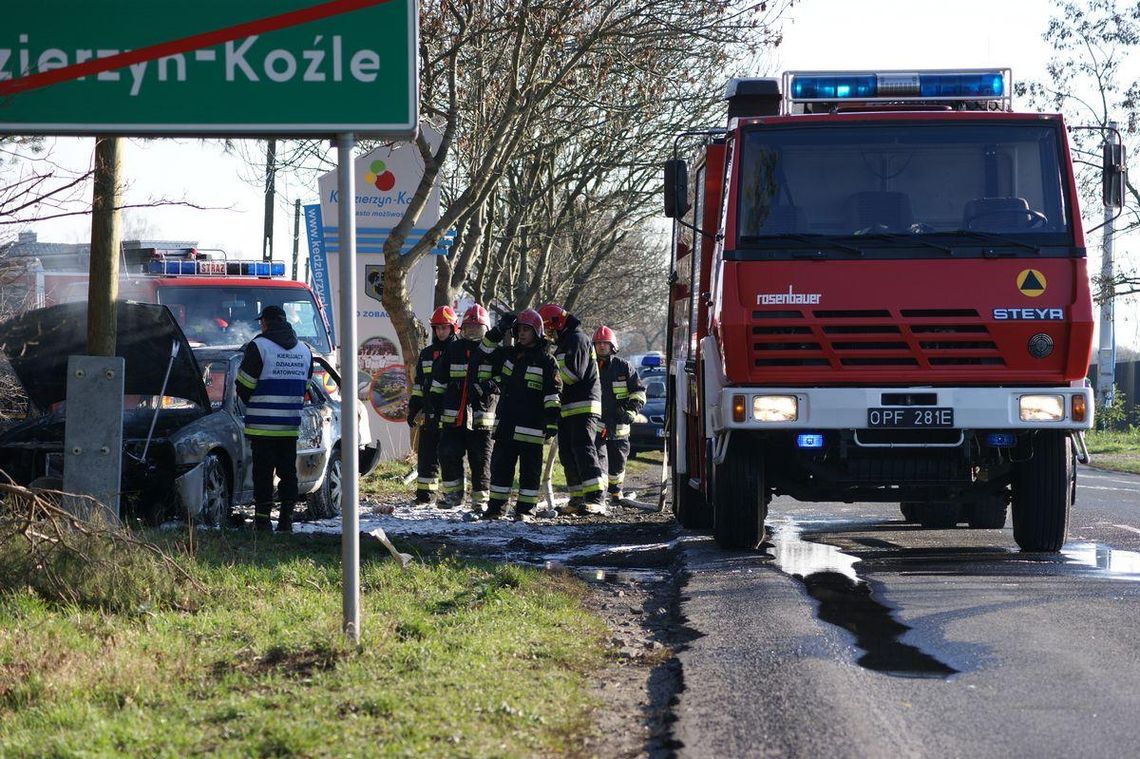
column 217, row 504
column 324, row 503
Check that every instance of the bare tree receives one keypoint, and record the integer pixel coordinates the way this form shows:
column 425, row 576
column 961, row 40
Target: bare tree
column 1091, row 41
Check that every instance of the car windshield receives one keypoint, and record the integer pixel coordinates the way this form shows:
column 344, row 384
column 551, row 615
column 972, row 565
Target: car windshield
column 873, row 184
column 220, row 315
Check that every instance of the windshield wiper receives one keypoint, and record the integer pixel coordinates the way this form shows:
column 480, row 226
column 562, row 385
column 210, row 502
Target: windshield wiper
column 991, row 238
column 915, row 239
column 823, row 241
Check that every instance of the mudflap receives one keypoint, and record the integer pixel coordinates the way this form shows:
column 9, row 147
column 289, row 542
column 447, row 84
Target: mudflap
column 191, row 490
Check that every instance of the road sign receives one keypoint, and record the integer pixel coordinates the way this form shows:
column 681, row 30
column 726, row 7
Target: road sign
column 255, row 67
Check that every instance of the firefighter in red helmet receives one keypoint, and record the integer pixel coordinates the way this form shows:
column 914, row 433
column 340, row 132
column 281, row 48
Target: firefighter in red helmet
column 623, row 396
column 444, row 325
column 528, row 413
column 581, row 401
column 463, row 391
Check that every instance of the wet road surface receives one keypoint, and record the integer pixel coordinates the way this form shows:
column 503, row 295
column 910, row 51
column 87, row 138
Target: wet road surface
column 855, row 634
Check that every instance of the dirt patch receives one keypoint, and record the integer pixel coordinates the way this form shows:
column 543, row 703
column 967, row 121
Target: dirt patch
column 297, row 664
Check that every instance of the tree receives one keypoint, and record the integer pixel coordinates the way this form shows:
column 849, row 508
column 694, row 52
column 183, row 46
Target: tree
column 1091, row 42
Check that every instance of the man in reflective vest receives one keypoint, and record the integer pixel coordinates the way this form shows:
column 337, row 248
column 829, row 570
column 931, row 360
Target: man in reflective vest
column 274, row 373
column 623, row 396
column 464, row 397
column 581, row 410
column 444, row 326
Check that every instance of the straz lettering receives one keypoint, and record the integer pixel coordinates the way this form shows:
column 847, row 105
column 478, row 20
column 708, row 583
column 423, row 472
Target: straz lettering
column 1029, row 314
column 787, row 299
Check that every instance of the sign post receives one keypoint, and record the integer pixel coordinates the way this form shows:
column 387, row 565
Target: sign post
column 349, row 510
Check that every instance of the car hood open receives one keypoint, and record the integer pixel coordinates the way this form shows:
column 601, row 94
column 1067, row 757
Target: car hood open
column 38, row 344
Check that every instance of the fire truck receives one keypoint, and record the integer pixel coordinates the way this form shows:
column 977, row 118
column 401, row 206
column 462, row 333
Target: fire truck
column 879, row 294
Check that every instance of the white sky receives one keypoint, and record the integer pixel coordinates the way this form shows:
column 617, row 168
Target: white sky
column 818, row 34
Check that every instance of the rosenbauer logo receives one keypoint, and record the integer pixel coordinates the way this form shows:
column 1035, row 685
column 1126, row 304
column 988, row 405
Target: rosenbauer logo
column 380, row 177
column 789, row 298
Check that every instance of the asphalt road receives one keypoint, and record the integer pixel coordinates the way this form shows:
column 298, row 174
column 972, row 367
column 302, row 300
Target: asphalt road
column 857, row 635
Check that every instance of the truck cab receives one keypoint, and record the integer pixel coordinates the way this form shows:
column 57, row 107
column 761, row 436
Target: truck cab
column 880, row 294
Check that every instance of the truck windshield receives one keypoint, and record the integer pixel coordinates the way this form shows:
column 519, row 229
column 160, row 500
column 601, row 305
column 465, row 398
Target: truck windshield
column 874, row 185
column 220, row 315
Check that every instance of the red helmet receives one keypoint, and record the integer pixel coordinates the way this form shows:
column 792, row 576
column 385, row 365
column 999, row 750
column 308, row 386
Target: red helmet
column 530, row 318
column 444, row 316
column 476, row 315
column 606, row 335
column 553, row 316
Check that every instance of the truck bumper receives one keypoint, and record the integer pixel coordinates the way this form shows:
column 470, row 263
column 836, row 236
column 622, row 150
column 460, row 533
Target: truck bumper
column 840, row 408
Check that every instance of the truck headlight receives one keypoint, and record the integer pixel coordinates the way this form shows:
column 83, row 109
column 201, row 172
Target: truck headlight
column 775, row 408
column 1041, row 408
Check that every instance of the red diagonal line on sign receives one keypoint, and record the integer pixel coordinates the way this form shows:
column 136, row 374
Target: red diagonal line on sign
column 185, row 44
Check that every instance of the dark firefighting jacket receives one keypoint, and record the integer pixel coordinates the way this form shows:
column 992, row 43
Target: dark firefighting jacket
column 463, row 392
column 422, row 386
column 623, row 395
column 578, row 368
column 527, row 379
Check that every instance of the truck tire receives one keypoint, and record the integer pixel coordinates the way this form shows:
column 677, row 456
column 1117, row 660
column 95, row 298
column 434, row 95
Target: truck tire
column 1043, row 492
column 741, row 502
column 939, row 515
column 689, row 506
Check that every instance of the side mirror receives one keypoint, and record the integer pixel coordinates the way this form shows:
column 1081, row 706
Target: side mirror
column 676, row 188
column 1113, row 170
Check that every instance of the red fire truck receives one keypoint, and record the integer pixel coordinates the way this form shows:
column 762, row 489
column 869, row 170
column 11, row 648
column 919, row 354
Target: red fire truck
column 880, row 294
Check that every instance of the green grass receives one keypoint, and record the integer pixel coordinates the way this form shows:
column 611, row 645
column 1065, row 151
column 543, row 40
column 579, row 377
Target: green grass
column 455, row 659
column 1118, row 451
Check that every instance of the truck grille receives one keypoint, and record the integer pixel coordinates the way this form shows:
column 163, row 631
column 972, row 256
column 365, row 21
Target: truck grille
column 872, row 338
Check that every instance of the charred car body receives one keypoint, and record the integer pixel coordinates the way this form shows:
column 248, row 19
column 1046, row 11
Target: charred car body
column 184, row 453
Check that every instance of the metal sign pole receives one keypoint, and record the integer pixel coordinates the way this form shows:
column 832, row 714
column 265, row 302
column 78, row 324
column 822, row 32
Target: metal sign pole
column 1106, row 359
column 349, row 509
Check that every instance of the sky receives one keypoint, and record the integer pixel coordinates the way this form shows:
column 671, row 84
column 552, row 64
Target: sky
column 818, row 34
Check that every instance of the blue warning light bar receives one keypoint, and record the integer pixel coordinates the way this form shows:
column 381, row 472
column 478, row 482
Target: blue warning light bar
column 208, row 268
column 1001, row 439
column 895, row 86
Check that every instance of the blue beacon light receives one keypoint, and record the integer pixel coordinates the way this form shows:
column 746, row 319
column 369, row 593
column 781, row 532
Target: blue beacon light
column 810, row 440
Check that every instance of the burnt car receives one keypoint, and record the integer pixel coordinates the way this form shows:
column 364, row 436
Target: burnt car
column 647, row 433
column 184, row 454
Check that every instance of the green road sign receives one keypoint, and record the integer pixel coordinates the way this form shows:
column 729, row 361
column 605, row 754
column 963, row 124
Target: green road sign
column 235, row 67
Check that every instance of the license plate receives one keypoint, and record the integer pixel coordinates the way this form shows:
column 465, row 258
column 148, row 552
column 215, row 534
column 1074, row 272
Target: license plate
column 910, row 417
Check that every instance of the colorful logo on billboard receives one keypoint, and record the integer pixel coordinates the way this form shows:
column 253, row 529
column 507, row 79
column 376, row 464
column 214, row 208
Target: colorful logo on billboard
column 380, row 177
column 379, row 358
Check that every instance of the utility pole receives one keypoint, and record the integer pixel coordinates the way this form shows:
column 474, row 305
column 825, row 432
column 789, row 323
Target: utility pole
column 270, row 193
column 296, row 234
column 1106, row 357
column 103, row 283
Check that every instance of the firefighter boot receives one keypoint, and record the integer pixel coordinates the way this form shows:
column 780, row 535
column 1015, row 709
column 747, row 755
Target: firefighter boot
column 573, row 507
column 261, row 521
column 285, row 519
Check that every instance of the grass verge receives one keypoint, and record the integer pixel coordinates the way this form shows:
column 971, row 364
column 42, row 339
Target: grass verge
column 456, row 659
column 1117, row 451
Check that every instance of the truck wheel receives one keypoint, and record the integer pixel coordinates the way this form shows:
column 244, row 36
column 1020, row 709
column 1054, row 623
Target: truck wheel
column 909, row 511
column 986, row 513
column 689, row 506
column 741, row 503
column 1042, row 492
column 939, row 515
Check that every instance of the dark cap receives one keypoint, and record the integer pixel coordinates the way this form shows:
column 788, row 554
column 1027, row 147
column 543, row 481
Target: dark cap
column 273, row 313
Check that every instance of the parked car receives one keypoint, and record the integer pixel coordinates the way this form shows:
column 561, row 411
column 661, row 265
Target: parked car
column 647, row 433
column 184, row 454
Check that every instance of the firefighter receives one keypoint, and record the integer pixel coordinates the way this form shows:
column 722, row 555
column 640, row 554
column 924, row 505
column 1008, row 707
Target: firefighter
column 581, row 409
column 444, row 327
column 623, row 396
column 527, row 377
column 271, row 381
column 464, row 395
